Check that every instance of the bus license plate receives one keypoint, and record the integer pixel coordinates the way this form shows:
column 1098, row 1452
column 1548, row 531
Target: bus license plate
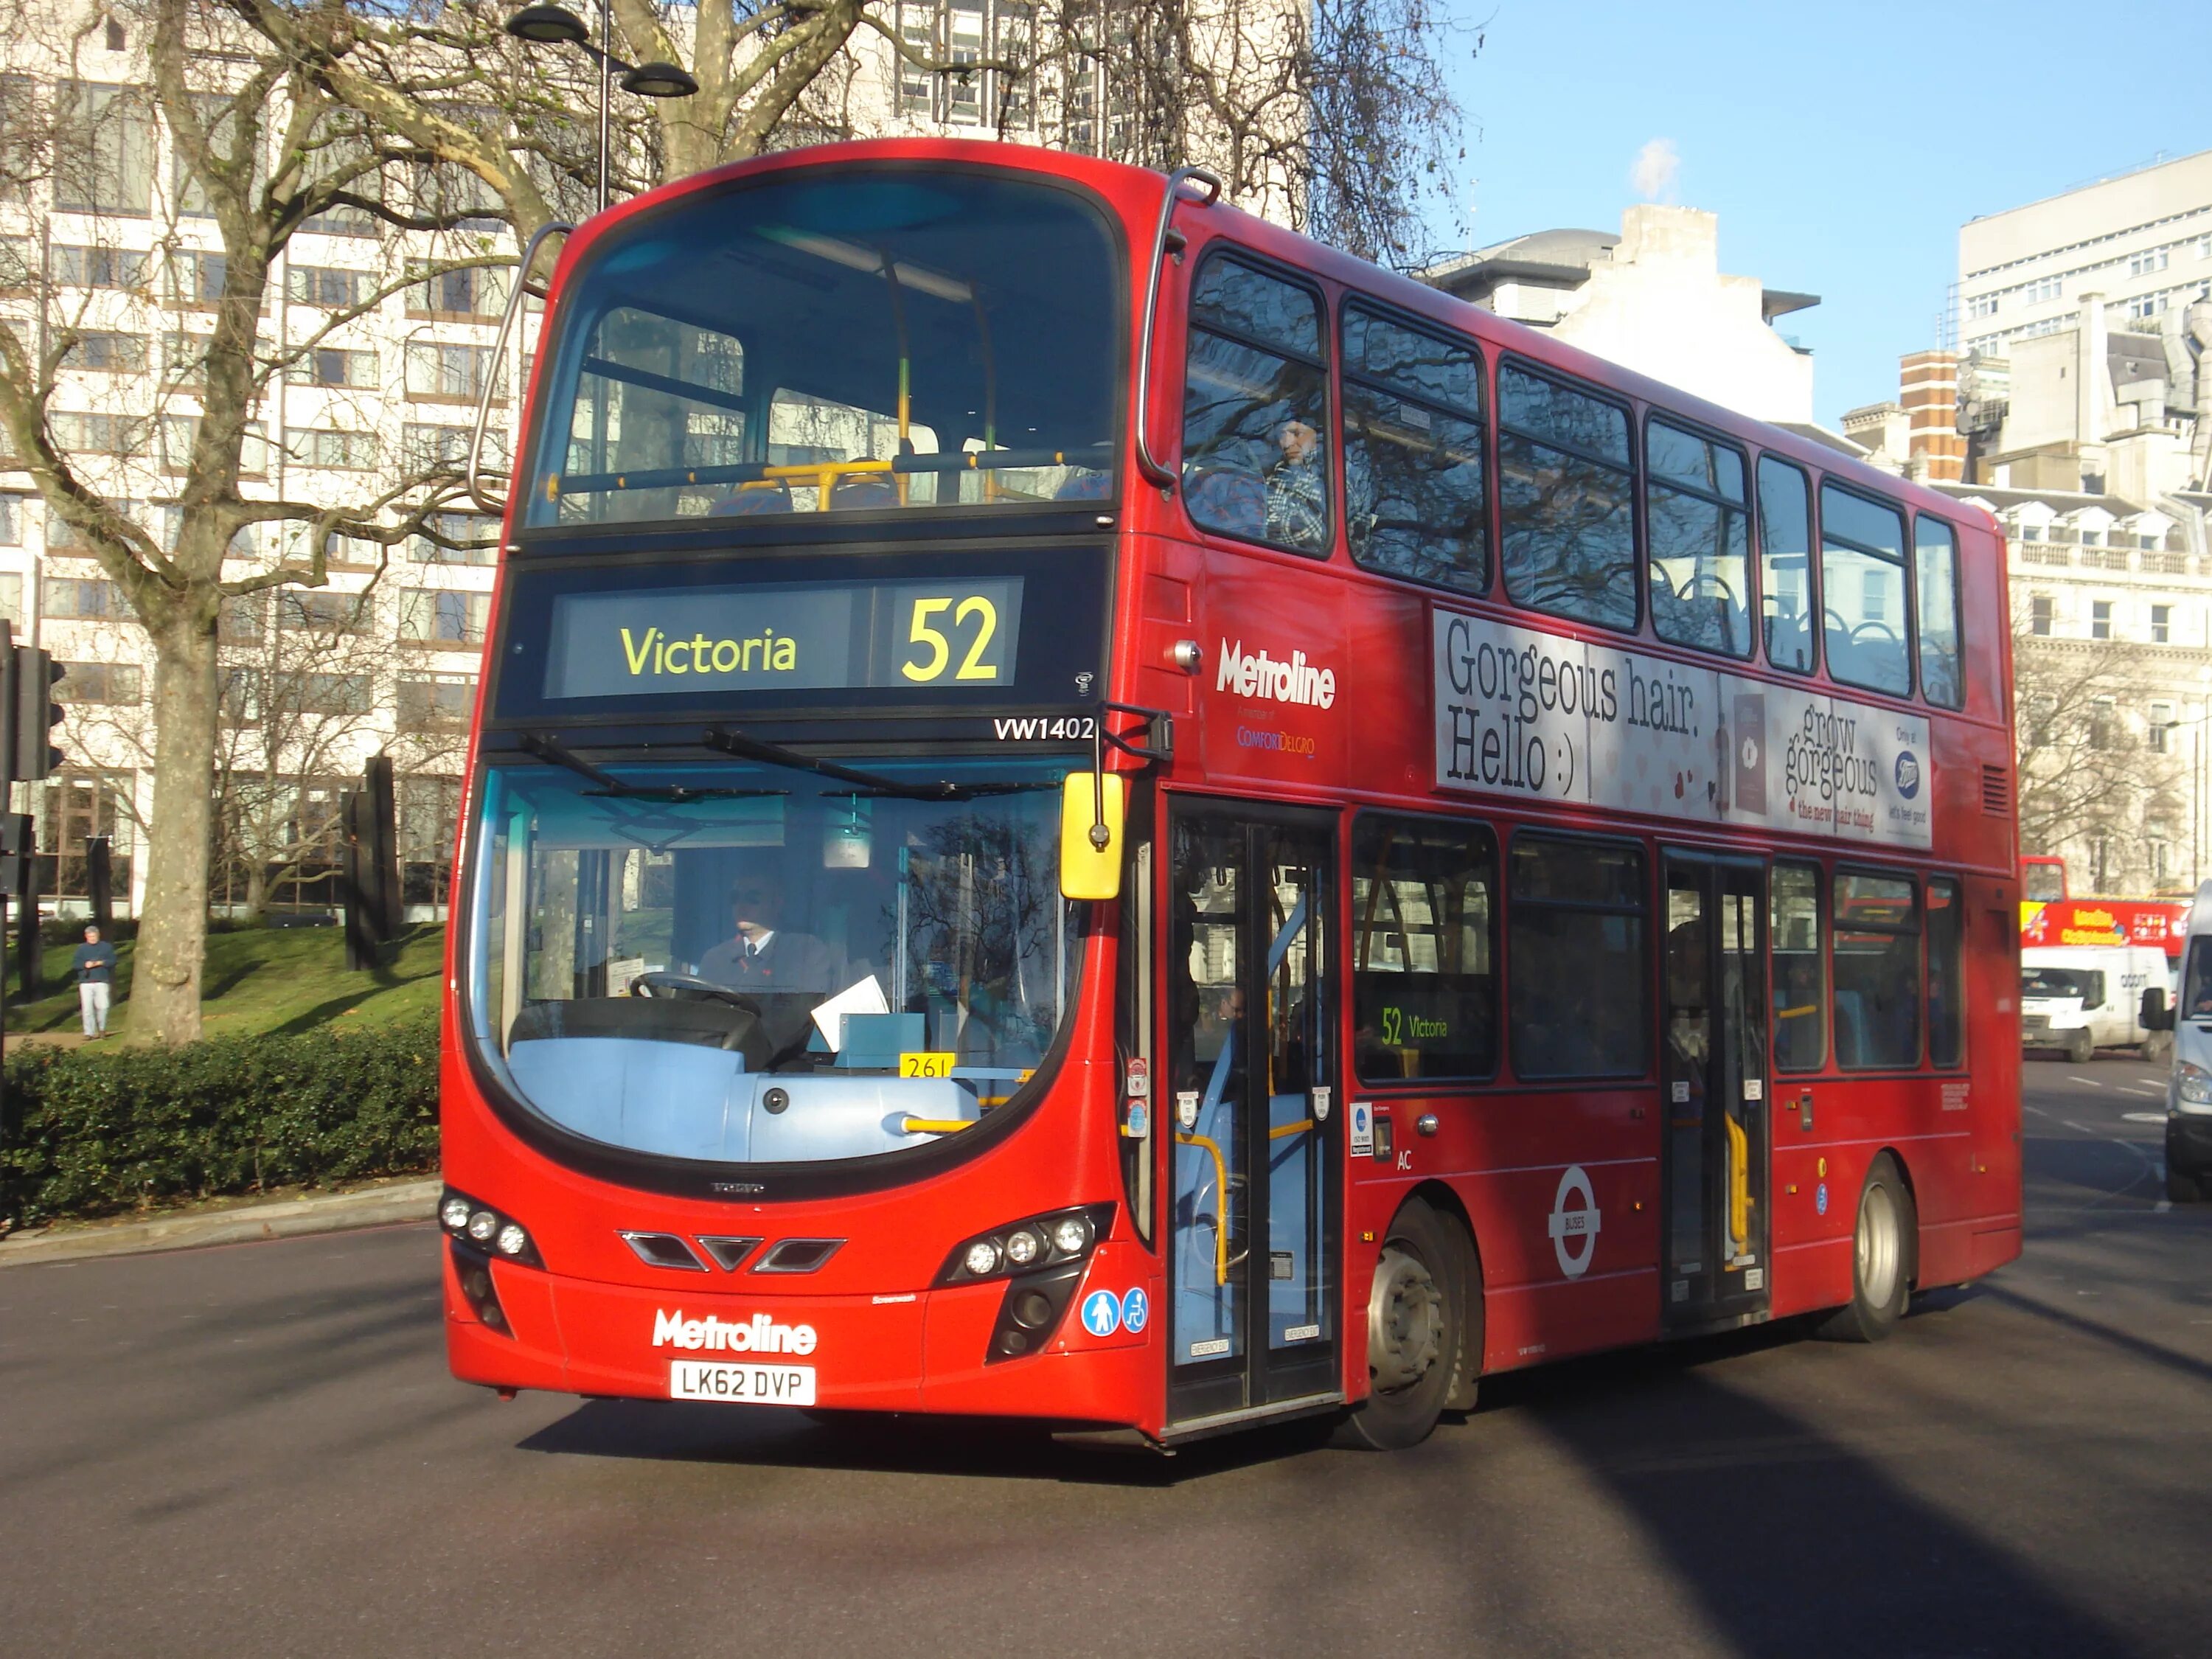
column 749, row 1385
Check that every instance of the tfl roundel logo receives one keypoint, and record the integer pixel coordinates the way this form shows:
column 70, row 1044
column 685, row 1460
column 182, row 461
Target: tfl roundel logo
column 1908, row 775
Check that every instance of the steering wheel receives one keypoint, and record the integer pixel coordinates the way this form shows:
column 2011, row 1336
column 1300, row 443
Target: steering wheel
column 686, row 987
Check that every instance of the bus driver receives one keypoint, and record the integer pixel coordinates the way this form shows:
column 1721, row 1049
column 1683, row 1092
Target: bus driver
column 763, row 956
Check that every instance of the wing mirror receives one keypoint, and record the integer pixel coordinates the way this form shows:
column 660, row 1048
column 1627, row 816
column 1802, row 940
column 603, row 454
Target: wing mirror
column 1093, row 812
column 2156, row 1016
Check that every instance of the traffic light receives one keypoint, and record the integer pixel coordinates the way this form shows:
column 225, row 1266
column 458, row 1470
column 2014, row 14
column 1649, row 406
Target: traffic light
column 35, row 715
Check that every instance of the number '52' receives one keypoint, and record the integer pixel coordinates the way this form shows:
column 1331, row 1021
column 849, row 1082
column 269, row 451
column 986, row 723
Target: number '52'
column 937, row 650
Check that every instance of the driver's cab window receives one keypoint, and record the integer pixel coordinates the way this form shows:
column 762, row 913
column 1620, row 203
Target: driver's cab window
column 1863, row 592
column 1255, row 408
column 1700, row 541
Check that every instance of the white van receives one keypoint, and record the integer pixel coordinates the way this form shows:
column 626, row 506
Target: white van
column 2189, row 1092
column 2081, row 998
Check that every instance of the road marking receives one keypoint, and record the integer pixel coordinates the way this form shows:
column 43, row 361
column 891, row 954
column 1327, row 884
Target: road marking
column 2141, row 1089
column 2091, row 1081
column 2142, row 1117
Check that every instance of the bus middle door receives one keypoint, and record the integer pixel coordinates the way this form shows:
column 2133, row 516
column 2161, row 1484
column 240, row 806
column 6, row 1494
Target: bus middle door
column 1713, row 1076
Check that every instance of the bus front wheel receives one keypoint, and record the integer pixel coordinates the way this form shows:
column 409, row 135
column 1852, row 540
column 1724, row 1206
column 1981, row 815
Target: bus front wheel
column 1413, row 1316
column 1881, row 1258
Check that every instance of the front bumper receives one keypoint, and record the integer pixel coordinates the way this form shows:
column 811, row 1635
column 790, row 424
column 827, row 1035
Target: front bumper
column 901, row 1351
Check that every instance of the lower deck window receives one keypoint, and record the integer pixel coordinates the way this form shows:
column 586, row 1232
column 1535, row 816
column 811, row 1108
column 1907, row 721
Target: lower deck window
column 1578, row 1003
column 1877, row 971
column 1424, row 976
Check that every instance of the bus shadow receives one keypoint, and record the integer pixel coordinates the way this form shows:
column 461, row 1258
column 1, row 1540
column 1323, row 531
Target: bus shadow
column 1768, row 1519
column 897, row 1444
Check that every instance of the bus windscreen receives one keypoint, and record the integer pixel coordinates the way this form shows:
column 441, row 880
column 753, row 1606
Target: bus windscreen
column 731, row 963
column 835, row 342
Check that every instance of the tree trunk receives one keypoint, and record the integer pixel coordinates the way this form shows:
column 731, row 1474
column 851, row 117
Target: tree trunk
column 257, row 891
column 165, row 987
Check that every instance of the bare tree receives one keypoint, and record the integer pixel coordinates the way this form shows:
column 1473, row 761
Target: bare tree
column 256, row 145
column 1330, row 115
column 2092, row 774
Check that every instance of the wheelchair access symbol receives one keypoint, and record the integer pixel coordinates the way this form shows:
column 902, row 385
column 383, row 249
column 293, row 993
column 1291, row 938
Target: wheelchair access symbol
column 1101, row 1313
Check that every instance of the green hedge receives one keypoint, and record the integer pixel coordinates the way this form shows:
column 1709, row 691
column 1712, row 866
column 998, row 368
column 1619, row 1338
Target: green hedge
column 115, row 1128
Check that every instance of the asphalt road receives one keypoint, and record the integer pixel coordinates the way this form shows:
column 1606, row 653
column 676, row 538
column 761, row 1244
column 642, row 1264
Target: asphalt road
column 257, row 1450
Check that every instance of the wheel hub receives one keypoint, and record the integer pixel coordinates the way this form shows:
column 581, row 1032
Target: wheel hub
column 1405, row 1321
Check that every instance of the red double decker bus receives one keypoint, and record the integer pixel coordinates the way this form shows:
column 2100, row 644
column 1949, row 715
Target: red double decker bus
column 1084, row 808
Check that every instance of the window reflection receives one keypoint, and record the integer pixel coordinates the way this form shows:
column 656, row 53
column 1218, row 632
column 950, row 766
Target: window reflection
column 1255, row 407
column 1412, row 457
column 1567, row 491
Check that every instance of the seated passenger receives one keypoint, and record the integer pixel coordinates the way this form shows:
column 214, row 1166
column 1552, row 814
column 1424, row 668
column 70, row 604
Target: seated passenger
column 762, row 956
column 1297, row 494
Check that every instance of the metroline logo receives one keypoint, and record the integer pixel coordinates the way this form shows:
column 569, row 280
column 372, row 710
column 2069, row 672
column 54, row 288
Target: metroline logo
column 759, row 1334
column 1274, row 679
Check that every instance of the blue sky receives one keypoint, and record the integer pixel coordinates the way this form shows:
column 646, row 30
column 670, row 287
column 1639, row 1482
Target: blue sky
column 1841, row 147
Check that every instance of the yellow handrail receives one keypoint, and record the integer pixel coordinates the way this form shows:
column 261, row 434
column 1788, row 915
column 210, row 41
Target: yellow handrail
column 1297, row 1128
column 1221, row 1202
column 935, row 1125
column 1738, row 1146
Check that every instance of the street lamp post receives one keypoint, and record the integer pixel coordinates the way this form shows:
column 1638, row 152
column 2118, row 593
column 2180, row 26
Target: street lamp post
column 557, row 25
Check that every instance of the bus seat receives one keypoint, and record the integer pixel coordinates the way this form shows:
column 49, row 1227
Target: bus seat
column 1221, row 498
column 869, row 489
column 772, row 496
column 1084, row 485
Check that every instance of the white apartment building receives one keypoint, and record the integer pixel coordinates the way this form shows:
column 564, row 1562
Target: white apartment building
column 2141, row 240
column 387, row 657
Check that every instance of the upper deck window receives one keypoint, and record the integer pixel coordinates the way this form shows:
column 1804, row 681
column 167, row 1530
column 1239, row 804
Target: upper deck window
column 1863, row 592
column 1785, row 564
column 1568, row 498
column 1413, row 453
column 835, row 342
column 1255, row 408
column 1935, row 561
column 1700, row 541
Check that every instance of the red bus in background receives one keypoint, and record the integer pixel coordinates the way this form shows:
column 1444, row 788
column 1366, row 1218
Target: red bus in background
column 1084, row 808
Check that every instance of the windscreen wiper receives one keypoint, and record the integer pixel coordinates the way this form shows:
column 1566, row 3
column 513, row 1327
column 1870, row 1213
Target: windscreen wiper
column 868, row 783
column 545, row 748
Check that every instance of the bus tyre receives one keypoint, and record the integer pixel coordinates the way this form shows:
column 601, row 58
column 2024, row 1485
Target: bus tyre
column 1413, row 1333
column 1881, row 1258
column 2079, row 1047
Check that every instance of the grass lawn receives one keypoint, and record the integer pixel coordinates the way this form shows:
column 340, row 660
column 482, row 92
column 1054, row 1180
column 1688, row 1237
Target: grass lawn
column 260, row 979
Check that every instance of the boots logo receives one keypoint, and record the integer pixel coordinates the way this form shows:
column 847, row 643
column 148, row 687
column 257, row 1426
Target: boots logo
column 1290, row 679
column 759, row 1334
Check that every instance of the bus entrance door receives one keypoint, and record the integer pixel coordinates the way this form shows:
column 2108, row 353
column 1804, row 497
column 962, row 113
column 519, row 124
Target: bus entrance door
column 1713, row 1075
column 1253, row 1182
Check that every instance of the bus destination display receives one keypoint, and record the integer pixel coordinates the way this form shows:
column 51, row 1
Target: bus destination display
column 935, row 636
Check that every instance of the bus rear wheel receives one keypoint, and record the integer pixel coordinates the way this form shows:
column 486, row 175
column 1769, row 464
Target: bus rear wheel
column 1881, row 1258
column 1413, row 1333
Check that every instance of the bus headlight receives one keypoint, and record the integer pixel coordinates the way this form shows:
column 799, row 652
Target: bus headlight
column 484, row 1228
column 1033, row 1245
column 2192, row 1089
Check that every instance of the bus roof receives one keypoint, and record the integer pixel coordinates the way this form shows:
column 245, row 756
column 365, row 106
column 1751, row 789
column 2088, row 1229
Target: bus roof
column 1135, row 191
